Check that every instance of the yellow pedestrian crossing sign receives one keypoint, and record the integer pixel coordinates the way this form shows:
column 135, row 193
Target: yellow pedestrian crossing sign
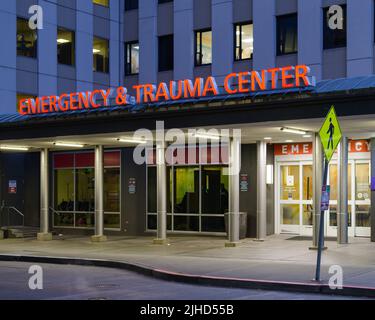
column 330, row 134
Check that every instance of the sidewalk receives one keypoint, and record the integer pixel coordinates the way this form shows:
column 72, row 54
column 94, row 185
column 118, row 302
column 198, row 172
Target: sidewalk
column 276, row 263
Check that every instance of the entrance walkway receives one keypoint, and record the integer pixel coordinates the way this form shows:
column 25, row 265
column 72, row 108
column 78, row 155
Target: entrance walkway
column 275, row 260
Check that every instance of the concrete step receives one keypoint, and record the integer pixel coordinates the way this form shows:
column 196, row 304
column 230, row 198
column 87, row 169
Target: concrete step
column 20, row 232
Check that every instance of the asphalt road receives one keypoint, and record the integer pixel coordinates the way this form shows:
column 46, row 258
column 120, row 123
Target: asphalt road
column 92, row 283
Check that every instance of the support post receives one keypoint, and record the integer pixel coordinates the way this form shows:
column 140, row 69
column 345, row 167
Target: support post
column 234, row 192
column 44, row 234
column 261, row 191
column 99, row 195
column 342, row 205
column 161, row 190
column 372, row 208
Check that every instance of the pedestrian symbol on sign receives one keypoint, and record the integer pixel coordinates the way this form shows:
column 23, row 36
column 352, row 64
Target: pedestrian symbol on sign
column 330, row 134
column 330, row 131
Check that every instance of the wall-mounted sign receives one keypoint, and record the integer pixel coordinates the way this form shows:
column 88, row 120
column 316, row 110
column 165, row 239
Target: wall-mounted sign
column 244, row 182
column 132, row 186
column 12, row 186
column 234, row 83
column 324, row 205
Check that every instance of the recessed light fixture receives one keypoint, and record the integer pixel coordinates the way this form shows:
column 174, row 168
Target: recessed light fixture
column 307, row 136
column 14, row 148
column 69, row 144
column 267, row 138
column 62, row 41
column 206, row 136
column 288, row 141
column 296, row 131
column 132, row 140
column 95, row 50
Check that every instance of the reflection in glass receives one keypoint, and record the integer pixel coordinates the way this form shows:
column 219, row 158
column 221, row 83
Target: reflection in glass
column 112, row 190
column 362, row 185
column 26, row 39
column 112, row 221
column 64, row 190
column 289, row 182
column 85, row 190
column 362, row 216
column 85, row 220
column 186, row 193
column 63, row 219
column 290, row 214
column 244, row 42
column 307, row 215
column 203, row 41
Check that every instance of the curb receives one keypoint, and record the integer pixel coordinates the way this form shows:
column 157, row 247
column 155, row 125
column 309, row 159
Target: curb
column 215, row 281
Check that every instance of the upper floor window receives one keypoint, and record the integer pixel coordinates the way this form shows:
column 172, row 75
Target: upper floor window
column 244, row 45
column 21, row 96
column 132, row 58
column 65, row 47
column 104, row 3
column 165, row 1
column 166, row 53
column 101, row 55
column 286, row 37
column 131, row 5
column 203, row 47
column 334, row 36
column 26, row 39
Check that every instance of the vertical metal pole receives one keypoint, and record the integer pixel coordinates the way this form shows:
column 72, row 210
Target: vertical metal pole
column 99, row 195
column 261, row 191
column 161, row 190
column 342, row 194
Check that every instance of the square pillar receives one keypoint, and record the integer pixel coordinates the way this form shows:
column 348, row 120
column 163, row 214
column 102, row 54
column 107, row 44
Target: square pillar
column 99, row 195
column 44, row 234
column 342, row 194
column 261, row 190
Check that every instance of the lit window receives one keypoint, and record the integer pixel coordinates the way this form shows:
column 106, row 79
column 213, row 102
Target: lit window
column 244, row 41
column 166, row 53
column 65, row 47
column 132, row 58
column 333, row 38
column 287, row 39
column 131, row 5
column 104, row 3
column 21, row 96
column 101, row 55
column 203, row 47
column 26, row 39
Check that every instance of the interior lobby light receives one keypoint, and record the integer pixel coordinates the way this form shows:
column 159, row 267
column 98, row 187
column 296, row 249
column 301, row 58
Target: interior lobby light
column 132, row 140
column 68, row 144
column 95, row 50
column 267, row 138
column 62, row 41
column 290, row 130
column 206, row 136
column 269, row 174
column 288, row 141
column 14, row 148
column 307, row 136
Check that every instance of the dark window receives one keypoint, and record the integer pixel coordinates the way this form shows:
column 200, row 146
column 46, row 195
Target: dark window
column 65, row 47
column 131, row 5
column 132, row 58
column 101, row 55
column 244, row 44
column 166, row 53
column 287, row 39
column 26, row 39
column 165, row 1
column 333, row 38
column 203, row 47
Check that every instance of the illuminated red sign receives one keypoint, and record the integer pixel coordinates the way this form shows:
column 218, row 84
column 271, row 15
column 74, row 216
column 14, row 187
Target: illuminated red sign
column 243, row 82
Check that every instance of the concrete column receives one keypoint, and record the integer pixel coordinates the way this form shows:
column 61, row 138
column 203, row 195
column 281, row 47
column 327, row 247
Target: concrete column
column 261, row 191
column 44, row 234
column 99, row 195
column 222, row 39
column 148, row 41
column 310, row 35
column 183, row 39
column 47, row 49
column 264, row 34
column 342, row 193
column 84, row 43
column 8, row 59
column 161, row 190
column 317, row 186
column 234, row 192
column 372, row 208
column 360, row 33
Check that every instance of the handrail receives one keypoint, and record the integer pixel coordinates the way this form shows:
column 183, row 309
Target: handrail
column 54, row 211
column 17, row 211
column 13, row 210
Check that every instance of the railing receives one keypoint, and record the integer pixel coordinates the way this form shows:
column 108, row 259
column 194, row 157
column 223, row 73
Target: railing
column 9, row 210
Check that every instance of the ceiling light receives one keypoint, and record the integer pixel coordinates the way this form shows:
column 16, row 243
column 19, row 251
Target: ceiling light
column 136, row 47
column 132, row 140
column 296, row 131
column 68, row 144
column 14, row 148
column 206, row 136
column 62, row 41
column 288, row 141
column 267, row 138
column 95, row 50
column 307, row 136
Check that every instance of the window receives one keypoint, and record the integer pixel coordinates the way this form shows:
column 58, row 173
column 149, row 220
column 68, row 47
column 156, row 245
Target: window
column 333, row 38
column 21, row 96
column 203, row 47
column 244, row 47
column 101, row 55
column 104, row 3
column 65, row 47
column 26, row 39
column 132, row 58
column 287, row 40
column 166, row 53
column 131, row 5
column 164, row 1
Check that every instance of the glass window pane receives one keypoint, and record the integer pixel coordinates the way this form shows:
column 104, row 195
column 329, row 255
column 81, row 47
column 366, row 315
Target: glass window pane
column 63, row 219
column 186, row 193
column 186, row 223
column 290, row 214
column 362, row 216
column 26, row 39
column 307, row 215
column 287, row 34
column 152, row 222
column 362, row 184
column 85, row 190
column 333, row 215
column 151, row 190
column 64, row 190
column 112, row 221
column 131, row 5
column 247, row 41
column 135, row 58
column 112, row 190
column 215, row 188
column 289, row 182
column 101, row 55
column 101, row 2
column 206, row 47
column 349, row 181
column 213, row 224
column 333, row 181
column 85, row 220
column 333, row 38
column 65, row 47
column 307, row 189
column 166, row 53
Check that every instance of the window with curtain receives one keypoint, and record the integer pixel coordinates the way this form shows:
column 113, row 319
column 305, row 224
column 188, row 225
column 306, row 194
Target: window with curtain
column 203, row 47
column 286, row 34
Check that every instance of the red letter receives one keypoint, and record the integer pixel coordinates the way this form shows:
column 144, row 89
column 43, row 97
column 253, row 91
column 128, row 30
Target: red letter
column 63, row 105
column 105, row 95
column 22, row 107
column 262, row 83
column 162, row 92
column 273, row 72
column 210, row 86
column 227, row 85
column 242, row 81
column 83, row 100
column 301, row 73
column 196, row 91
column 285, row 77
column 172, row 90
column 92, row 101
